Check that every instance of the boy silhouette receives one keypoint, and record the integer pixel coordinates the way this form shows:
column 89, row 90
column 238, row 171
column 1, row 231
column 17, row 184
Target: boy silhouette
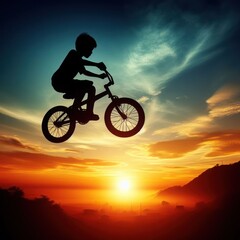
column 63, row 79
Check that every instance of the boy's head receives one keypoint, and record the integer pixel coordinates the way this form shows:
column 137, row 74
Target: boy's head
column 85, row 44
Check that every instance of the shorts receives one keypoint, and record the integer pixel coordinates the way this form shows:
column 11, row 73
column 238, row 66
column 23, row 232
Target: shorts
column 74, row 86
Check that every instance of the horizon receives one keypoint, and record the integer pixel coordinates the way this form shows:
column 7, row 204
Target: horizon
column 178, row 59
column 121, row 200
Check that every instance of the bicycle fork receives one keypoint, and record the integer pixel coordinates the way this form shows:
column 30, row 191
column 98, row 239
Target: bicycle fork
column 121, row 113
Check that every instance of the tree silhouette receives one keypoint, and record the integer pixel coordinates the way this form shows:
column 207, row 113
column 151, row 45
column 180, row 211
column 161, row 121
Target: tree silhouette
column 16, row 192
column 37, row 219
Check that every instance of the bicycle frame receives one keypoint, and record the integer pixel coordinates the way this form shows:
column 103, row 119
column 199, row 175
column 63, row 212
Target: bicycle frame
column 104, row 93
column 99, row 96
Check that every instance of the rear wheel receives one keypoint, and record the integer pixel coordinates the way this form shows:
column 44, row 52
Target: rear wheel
column 124, row 117
column 58, row 124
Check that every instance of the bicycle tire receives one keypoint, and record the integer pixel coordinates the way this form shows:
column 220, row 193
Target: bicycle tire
column 133, row 122
column 61, row 133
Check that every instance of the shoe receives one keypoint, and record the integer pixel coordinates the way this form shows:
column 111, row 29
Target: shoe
column 93, row 117
column 80, row 115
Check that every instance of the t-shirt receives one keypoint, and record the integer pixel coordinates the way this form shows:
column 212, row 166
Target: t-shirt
column 70, row 67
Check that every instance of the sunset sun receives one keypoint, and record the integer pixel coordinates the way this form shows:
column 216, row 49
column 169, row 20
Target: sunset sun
column 124, row 185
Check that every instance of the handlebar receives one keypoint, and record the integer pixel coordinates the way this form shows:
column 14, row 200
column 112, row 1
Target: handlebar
column 110, row 79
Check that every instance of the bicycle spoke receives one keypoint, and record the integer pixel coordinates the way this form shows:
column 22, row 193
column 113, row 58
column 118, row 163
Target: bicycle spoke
column 64, row 124
column 127, row 124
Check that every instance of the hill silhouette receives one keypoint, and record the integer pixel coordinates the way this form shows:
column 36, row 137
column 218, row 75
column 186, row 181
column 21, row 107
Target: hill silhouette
column 219, row 219
column 36, row 219
column 212, row 183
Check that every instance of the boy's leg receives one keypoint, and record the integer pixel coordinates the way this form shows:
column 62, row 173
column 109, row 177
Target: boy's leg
column 80, row 88
column 77, row 100
column 91, row 90
column 75, row 88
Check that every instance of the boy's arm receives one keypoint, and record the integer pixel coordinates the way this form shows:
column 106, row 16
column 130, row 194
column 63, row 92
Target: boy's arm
column 91, row 74
column 100, row 65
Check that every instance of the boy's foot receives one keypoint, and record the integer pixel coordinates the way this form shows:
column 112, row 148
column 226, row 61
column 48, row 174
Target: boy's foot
column 93, row 117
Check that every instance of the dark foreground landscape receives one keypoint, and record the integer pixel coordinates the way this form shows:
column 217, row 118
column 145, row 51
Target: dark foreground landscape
column 218, row 218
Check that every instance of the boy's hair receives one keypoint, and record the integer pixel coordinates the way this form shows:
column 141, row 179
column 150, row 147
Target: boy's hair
column 85, row 40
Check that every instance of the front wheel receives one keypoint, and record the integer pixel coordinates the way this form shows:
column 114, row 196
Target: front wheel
column 58, row 124
column 124, row 117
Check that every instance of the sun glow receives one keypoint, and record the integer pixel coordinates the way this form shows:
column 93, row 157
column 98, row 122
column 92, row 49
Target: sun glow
column 124, row 185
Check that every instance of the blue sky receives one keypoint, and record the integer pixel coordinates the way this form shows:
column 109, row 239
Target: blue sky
column 180, row 59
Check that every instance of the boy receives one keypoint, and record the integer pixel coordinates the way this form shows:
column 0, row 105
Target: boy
column 63, row 79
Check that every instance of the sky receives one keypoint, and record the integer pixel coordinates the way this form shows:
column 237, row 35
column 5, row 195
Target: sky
column 179, row 59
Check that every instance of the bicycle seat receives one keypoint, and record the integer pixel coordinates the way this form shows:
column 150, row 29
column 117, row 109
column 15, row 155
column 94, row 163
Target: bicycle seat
column 68, row 96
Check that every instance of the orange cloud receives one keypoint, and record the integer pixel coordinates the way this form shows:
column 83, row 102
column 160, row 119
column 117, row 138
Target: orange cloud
column 19, row 160
column 174, row 148
column 224, row 94
column 224, row 102
column 14, row 142
column 224, row 143
column 225, row 110
column 219, row 143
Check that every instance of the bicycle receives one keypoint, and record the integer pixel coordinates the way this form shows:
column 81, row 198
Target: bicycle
column 124, row 117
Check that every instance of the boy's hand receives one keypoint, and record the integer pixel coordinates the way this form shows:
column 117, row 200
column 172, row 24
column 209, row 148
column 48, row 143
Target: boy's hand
column 101, row 66
column 102, row 75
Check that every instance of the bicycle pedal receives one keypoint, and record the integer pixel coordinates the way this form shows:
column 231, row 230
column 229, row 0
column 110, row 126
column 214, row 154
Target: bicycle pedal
column 82, row 119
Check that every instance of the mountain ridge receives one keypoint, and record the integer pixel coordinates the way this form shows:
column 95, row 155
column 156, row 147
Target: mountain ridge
column 213, row 182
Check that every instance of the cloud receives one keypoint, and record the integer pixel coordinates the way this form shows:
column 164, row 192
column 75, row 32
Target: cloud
column 143, row 99
column 223, row 143
column 174, row 148
column 27, row 161
column 15, row 142
column 224, row 94
column 187, row 128
column 223, row 103
column 225, row 110
column 20, row 114
column 151, row 49
column 218, row 144
column 173, row 38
